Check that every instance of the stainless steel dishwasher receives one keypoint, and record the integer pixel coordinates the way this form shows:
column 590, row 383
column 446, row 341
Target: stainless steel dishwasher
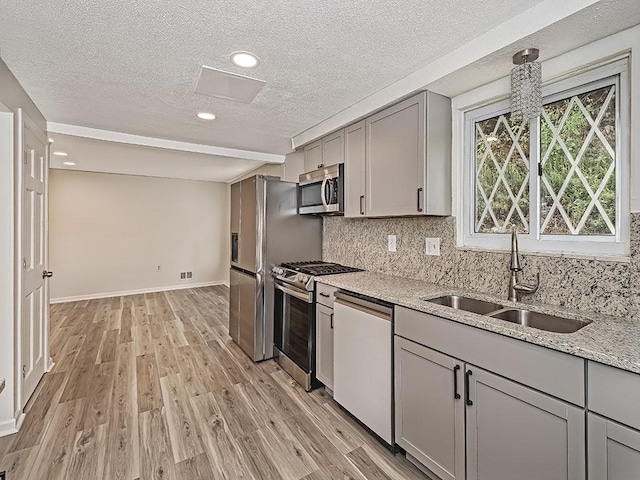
column 363, row 353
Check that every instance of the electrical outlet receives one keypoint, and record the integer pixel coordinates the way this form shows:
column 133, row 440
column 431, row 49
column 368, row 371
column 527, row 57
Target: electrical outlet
column 391, row 243
column 432, row 246
column 183, row 275
column 159, row 269
column 189, row 274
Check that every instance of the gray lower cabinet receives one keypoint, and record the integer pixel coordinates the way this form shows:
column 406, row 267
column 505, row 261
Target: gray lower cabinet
column 614, row 450
column 429, row 408
column 514, row 432
column 324, row 345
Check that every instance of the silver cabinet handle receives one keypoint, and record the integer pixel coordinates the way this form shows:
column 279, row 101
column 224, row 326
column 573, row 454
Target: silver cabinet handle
column 420, row 199
column 322, row 294
column 361, row 204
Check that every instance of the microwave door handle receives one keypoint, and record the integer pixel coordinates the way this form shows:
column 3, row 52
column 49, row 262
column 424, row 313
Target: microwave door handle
column 323, row 189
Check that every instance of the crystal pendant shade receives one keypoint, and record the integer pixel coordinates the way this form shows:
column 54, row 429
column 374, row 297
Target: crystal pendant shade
column 526, row 91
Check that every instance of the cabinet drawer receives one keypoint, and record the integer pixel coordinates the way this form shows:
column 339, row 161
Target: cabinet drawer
column 549, row 371
column 614, row 393
column 325, row 294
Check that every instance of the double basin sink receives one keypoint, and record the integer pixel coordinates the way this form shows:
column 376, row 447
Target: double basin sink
column 541, row 321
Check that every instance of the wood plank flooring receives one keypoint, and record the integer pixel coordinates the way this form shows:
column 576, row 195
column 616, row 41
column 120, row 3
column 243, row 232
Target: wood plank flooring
column 152, row 387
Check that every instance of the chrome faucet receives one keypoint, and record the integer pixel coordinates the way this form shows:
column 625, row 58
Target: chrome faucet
column 516, row 290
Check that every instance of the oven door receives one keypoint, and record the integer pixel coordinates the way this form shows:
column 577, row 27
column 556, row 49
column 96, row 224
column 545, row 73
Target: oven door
column 293, row 324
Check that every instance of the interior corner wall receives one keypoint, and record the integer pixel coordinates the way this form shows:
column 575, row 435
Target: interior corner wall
column 7, row 423
column 114, row 234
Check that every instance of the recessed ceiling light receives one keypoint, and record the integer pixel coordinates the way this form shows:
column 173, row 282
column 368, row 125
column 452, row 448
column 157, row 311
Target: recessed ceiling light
column 206, row 116
column 60, row 154
column 71, row 164
column 244, row 60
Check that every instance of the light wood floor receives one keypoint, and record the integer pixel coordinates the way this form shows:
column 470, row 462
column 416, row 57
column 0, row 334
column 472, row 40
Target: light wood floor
column 152, row 387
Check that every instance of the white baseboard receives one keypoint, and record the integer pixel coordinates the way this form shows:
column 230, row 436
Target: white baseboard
column 8, row 427
column 93, row 296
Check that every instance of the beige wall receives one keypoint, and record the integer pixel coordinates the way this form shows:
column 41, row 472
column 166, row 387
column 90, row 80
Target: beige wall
column 109, row 233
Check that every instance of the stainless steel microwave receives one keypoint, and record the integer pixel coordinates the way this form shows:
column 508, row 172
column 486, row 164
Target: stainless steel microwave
column 321, row 192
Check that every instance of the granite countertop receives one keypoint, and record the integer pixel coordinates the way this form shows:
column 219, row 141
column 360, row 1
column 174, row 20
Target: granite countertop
column 609, row 340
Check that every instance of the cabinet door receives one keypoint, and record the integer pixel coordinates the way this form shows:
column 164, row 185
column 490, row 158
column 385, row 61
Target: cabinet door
column 324, row 345
column 430, row 408
column 333, row 148
column 354, row 168
column 395, row 159
column 516, row 432
column 614, row 450
column 312, row 156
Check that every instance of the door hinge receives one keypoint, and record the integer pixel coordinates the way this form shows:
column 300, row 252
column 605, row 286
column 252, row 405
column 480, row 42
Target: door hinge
column 24, row 371
column 24, row 263
column 25, row 157
column 540, row 169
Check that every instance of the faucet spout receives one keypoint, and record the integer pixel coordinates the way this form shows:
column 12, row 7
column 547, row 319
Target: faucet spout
column 516, row 290
column 515, row 258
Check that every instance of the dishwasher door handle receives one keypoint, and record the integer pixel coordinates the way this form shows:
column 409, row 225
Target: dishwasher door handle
column 364, row 306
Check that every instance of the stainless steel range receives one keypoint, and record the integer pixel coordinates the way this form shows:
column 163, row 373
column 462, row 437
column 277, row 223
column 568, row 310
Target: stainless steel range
column 294, row 319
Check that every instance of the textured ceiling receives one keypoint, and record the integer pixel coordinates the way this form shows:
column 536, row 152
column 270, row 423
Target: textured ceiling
column 130, row 66
column 110, row 157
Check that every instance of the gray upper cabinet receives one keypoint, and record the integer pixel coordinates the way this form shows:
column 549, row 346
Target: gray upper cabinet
column 333, row 148
column 325, row 152
column 614, row 450
column 516, row 432
column 408, row 158
column 313, row 156
column 429, row 408
column 354, row 166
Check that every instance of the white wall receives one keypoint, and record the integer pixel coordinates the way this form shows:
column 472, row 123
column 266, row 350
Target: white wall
column 6, row 271
column 109, row 233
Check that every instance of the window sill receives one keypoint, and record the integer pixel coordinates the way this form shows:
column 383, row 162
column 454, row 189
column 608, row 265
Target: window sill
column 580, row 256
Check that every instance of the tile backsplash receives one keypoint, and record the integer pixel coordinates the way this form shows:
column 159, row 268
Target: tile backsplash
column 581, row 284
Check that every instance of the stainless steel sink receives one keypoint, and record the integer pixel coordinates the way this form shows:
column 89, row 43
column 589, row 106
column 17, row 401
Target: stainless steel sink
column 467, row 304
column 541, row 321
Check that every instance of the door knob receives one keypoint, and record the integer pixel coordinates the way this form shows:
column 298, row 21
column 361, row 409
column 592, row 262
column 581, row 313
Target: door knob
column 46, row 274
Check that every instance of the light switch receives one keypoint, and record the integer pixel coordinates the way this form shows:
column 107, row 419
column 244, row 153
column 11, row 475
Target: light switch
column 391, row 243
column 432, row 246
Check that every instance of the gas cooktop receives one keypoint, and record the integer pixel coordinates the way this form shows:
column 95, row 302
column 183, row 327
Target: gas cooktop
column 318, row 268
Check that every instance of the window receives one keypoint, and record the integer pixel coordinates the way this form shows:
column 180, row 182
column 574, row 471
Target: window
column 560, row 180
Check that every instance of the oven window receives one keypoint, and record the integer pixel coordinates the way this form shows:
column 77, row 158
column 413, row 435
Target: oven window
column 311, row 195
column 293, row 320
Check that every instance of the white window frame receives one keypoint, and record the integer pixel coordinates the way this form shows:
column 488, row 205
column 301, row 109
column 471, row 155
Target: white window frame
column 612, row 245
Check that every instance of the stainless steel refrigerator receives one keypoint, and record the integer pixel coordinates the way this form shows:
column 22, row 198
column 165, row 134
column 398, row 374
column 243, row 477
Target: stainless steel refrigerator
column 265, row 231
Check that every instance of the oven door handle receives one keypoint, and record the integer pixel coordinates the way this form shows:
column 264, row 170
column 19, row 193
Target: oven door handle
column 307, row 298
column 323, row 189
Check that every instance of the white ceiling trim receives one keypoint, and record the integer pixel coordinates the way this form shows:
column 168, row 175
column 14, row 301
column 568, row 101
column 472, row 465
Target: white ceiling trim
column 118, row 137
column 525, row 24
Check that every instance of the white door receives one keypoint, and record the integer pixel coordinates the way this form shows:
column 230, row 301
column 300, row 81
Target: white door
column 34, row 243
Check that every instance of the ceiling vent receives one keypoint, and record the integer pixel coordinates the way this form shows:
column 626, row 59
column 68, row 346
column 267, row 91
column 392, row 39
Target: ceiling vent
column 227, row 85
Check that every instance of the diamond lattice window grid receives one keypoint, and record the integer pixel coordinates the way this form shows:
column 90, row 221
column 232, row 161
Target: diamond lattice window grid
column 578, row 142
column 502, row 175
